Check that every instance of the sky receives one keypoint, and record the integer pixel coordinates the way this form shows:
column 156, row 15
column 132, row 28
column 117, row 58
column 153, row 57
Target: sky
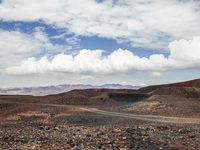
column 135, row 42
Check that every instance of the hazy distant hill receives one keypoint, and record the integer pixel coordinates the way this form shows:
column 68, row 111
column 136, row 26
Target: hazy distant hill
column 39, row 91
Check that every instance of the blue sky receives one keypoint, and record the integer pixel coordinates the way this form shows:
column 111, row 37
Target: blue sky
column 92, row 42
column 128, row 42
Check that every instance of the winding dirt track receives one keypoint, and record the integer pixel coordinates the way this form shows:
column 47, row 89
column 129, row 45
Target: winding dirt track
column 151, row 118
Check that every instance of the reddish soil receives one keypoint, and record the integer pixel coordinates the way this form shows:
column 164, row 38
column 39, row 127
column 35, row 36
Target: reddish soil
column 65, row 121
column 186, row 84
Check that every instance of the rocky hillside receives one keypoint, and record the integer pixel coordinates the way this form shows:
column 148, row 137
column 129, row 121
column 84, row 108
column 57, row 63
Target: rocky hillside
column 188, row 89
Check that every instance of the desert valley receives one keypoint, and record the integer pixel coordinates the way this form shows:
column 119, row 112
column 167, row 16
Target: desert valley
column 160, row 117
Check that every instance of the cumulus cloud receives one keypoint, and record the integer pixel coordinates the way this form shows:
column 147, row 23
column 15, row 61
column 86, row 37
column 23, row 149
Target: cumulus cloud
column 16, row 46
column 143, row 23
column 183, row 54
column 89, row 62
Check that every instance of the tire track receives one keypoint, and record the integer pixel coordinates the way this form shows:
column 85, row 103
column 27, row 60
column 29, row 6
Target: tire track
column 151, row 118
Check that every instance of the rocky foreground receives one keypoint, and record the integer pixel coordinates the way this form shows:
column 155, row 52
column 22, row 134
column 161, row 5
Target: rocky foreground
column 74, row 130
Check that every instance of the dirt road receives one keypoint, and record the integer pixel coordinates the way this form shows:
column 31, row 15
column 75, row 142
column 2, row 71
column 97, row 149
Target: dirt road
column 151, row 118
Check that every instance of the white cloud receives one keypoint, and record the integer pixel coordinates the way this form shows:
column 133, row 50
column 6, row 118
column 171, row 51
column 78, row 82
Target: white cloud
column 31, row 66
column 40, row 35
column 143, row 23
column 73, row 40
column 86, row 61
column 183, row 54
column 16, row 46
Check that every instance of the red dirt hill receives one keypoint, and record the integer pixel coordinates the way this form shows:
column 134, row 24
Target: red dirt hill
column 188, row 89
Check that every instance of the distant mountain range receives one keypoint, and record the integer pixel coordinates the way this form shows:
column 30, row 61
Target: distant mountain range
column 40, row 91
